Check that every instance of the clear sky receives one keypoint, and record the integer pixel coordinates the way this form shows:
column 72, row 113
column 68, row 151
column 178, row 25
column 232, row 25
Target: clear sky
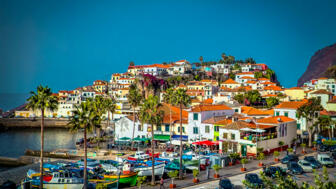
column 67, row 44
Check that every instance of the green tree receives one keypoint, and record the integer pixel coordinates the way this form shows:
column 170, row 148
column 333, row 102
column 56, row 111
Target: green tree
column 272, row 101
column 230, row 59
column 240, row 98
column 258, row 75
column 42, row 100
column 269, row 74
column 325, row 123
column 151, row 114
column 134, row 98
column 111, row 106
column 131, row 63
column 223, row 56
column 181, row 98
column 250, row 60
column 309, row 111
column 253, row 96
column 84, row 117
column 168, row 97
column 232, row 76
column 236, row 67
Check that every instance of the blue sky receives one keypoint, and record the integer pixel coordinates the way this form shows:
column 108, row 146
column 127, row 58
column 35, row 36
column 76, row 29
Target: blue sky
column 67, row 44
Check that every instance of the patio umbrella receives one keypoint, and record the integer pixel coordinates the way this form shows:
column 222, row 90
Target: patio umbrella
column 124, row 138
column 259, row 130
column 246, row 129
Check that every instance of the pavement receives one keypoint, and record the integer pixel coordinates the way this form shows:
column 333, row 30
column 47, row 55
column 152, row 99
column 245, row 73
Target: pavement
column 236, row 176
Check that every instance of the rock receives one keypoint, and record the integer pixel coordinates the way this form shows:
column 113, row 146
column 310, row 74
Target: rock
column 319, row 63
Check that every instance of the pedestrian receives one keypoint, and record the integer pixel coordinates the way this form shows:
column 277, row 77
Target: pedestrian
column 162, row 183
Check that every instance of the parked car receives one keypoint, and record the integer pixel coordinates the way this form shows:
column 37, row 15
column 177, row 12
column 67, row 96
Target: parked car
column 294, row 168
column 313, row 162
column 271, row 171
column 325, row 160
column 306, row 166
column 323, row 148
column 289, row 158
column 332, row 148
column 225, row 184
column 254, row 180
column 333, row 155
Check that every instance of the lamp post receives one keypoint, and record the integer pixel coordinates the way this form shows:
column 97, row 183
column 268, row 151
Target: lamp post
column 199, row 148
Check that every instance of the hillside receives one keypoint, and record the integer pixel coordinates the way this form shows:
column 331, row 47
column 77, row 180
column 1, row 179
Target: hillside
column 319, row 63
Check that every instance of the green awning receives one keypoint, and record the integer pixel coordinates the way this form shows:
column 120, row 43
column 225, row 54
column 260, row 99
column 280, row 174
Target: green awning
column 162, row 137
column 141, row 139
column 124, row 138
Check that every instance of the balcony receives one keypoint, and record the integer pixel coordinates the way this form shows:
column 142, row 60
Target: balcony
column 258, row 137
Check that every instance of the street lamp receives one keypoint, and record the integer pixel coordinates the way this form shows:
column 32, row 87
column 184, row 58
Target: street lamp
column 199, row 148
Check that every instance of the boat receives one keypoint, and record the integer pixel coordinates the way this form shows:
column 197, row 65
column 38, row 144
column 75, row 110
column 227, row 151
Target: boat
column 57, row 180
column 125, row 177
column 145, row 169
column 91, row 164
column 139, row 155
column 173, row 165
column 170, row 156
column 97, row 183
column 109, row 166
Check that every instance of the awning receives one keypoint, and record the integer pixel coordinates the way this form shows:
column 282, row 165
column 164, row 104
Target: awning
column 258, row 130
column 138, row 139
column 206, row 142
column 162, row 137
column 177, row 137
column 124, row 138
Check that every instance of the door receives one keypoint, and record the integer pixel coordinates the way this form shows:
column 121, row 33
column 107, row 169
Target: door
column 243, row 150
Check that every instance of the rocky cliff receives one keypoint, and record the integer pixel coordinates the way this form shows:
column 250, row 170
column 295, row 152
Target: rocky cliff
column 319, row 63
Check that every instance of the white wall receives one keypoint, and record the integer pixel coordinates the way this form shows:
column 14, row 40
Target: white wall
column 124, row 128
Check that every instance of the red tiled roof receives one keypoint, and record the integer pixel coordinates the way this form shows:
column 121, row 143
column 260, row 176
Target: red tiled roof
column 322, row 91
column 273, row 88
column 245, row 73
column 275, row 120
column 230, row 81
column 291, row 104
column 201, row 108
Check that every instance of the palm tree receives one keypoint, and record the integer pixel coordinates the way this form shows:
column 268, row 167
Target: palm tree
column 181, row 98
column 168, row 98
column 134, row 98
column 99, row 106
column 110, row 105
column 151, row 114
column 309, row 111
column 325, row 123
column 42, row 100
column 84, row 117
column 223, row 56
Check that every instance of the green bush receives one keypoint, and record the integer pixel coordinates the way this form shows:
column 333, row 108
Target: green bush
column 216, row 168
column 195, row 173
column 276, row 153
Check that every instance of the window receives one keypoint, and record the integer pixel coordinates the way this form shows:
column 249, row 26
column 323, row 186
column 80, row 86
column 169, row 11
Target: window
column 195, row 116
column 286, row 114
column 236, row 110
column 298, row 126
column 277, row 113
column 207, row 129
column 195, row 130
column 233, row 136
column 225, row 135
column 140, row 127
column 167, row 128
column 216, row 128
column 179, row 129
column 158, row 127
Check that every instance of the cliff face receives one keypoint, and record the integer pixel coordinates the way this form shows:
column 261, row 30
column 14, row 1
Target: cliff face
column 319, row 63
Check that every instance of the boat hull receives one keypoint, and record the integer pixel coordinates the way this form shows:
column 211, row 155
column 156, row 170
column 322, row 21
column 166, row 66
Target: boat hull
column 125, row 179
column 147, row 171
column 63, row 186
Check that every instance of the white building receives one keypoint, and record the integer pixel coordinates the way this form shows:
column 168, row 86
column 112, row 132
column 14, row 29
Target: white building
column 200, row 113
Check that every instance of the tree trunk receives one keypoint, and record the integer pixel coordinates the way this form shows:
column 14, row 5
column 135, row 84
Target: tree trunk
column 133, row 128
column 329, row 133
column 42, row 145
column 153, row 175
column 181, row 150
column 113, row 139
column 310, row 136
column 85, row 159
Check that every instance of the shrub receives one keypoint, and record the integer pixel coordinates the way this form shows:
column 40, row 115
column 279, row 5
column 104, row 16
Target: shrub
column 195, row 173
column 276, row 153
column 216, row 168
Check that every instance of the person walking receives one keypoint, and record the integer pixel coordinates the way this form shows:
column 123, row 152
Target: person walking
column 162, row 183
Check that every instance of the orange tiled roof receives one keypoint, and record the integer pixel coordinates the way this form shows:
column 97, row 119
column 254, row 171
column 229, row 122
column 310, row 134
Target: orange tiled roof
column 251, row 82
column 322, row 91
column 253, row 111
column 247, row 77
column 230, row 81
column 202, row 108
column 214, row 119
column 273, row 88
column 208, row 101
column 263, row 79
column 322, row 78
column 275, row 120
column 224, row 122
column 295, row 88
column 291, row 104
column 245, row 73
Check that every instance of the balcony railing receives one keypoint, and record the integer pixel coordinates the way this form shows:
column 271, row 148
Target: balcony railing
column 258, row 137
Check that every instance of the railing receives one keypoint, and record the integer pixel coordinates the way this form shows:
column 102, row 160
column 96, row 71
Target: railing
column 258, row 137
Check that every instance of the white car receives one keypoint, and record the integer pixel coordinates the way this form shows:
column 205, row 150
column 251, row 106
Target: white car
column 306, row 166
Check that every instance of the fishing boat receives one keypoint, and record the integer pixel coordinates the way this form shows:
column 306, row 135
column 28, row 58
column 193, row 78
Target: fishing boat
column 125, row 177
column 139, row 156
column 145, row 169
column 56, row 180
column 96, row 183
column 173, row 165
column 170, row 156
column 109, row 166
